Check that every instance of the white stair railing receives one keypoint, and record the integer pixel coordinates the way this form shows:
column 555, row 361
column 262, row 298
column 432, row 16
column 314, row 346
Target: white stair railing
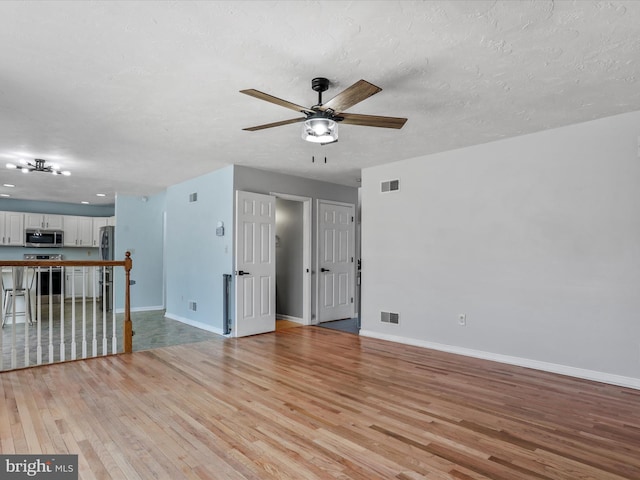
column 65, row 324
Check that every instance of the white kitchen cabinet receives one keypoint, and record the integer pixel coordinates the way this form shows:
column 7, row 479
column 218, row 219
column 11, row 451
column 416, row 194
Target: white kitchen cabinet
column 85, row 231
column 54, row 222
column 74, row 280
column 70, row 231
column 98, row 223
column 11, row 229
column 45, row 221
column 78, row 231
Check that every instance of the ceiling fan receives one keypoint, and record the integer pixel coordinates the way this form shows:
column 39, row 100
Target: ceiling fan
column 321, row 120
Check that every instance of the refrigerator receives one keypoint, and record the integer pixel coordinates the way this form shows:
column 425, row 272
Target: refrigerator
column 107, row 247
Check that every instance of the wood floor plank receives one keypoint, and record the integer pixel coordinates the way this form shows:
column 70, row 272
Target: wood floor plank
column 313, row 403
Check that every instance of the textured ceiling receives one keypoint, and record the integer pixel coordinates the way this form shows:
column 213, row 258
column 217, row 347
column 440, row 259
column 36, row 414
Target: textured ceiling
column 135, row 96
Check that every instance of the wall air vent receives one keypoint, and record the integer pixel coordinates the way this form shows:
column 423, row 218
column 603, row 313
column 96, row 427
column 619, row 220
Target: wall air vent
column 390, row 317
column 193, row 306
column 390, row 186
column 193, row 197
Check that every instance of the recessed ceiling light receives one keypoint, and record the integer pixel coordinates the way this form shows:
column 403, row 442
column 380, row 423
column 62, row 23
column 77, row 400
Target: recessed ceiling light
column 101, row 194
column 4, row 195
column 85, row 203
column 8, row 185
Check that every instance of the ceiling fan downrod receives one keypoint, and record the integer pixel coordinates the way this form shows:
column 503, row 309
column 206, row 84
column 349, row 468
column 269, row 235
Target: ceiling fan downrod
column 320, row 84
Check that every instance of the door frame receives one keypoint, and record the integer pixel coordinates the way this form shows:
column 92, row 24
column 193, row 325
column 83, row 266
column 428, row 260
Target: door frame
column 306, row 251
column 319, row 201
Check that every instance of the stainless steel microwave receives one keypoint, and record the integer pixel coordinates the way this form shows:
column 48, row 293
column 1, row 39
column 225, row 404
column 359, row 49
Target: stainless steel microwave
column 43, row 238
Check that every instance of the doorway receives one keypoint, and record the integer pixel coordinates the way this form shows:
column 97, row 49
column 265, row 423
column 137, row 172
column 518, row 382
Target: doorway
column 293, row 258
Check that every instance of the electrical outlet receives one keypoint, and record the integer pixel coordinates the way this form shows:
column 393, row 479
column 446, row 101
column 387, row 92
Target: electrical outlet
column 462, row 319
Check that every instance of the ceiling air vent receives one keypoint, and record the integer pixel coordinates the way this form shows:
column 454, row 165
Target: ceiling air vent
column 390, row 186
column 389, row 317
column 193, row 197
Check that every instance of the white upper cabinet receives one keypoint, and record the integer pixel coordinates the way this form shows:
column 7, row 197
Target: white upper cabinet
column 98, row 222
column 11, row 229
column 78, row 231
column 85, row 231
column 70, row 231
column 47, row 222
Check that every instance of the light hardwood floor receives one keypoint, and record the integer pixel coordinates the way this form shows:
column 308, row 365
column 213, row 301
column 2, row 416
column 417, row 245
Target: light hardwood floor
column 314, row 403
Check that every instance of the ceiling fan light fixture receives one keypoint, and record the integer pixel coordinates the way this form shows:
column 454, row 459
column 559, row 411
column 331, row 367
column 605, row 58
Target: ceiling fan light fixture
column 39, row 165
column 320, row 130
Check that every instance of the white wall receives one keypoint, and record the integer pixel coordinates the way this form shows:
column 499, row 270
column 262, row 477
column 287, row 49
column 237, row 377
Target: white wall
column 536, row 239
column 139, row 222
column 195, row 257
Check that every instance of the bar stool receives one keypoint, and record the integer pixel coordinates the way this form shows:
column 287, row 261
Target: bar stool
column 16, row 277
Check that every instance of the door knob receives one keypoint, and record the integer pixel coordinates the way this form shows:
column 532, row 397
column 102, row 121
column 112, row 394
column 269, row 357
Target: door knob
column 242, row 272
column 324, row 269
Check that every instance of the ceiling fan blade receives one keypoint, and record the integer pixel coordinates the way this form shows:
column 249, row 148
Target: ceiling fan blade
column 372, row 120
column 278, row 101
column 275, row 124
column 356, row 93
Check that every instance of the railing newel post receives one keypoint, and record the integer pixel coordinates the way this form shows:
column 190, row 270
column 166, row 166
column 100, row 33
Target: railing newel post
column 128, row 326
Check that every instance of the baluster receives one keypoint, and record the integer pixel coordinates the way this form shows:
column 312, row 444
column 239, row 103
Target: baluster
column 27, row 317
column 84, row 312
column 51, row 315
column 114, row 341
column 105, row 348
column 73, row 313
column 14, row 353
column 62, row 294
column 37, row 273
column 94, row 343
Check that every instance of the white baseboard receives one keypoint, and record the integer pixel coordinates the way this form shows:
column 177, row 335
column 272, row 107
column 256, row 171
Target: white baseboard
column 609, row 378
column 290, row 318
column 142, row 309
column 193, row 323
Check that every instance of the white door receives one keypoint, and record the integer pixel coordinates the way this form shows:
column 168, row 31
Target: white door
column 255, row 264
column 335, row 261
